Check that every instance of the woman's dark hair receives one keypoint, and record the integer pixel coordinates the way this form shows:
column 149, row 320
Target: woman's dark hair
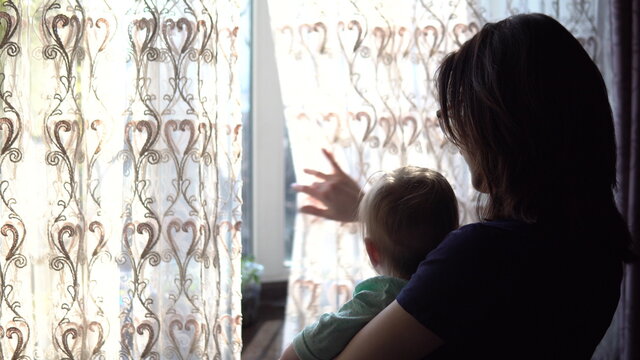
column 529, row 108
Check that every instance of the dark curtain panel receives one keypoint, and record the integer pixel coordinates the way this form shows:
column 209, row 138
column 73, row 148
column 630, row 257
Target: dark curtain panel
column 625, row 20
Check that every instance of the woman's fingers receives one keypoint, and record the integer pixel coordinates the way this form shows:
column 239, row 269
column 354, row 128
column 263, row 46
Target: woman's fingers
column 334, row 164
column 314, row 210
column 306, row 189
column 337, row 193
column 337, row 170
column 317, row 174
column 316, row 190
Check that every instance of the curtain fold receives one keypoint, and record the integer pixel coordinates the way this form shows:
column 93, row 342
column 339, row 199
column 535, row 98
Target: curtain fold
column 357, row 78
column 119, row 180
column 625, row 45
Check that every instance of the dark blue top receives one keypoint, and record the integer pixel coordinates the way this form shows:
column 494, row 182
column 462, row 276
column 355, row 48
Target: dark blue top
column 507, row 290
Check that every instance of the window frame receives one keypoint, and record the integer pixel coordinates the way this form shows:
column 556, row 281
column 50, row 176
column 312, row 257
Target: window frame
column 267, row 153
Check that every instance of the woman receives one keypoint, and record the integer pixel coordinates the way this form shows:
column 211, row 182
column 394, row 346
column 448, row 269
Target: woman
column 539, row 277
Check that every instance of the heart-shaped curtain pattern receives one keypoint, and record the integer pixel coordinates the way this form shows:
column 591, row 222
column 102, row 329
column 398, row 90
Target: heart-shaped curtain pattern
column 119, row 180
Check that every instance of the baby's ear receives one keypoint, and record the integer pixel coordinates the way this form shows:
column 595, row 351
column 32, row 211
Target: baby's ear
column 372, row 251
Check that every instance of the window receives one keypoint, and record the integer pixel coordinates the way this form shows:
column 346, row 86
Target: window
column 267, row 233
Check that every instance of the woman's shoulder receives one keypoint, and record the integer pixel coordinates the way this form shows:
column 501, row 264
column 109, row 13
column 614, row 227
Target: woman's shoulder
column 489, row 234
column 493, row 226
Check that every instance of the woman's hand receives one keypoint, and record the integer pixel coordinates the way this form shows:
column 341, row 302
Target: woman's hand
column 337, row 194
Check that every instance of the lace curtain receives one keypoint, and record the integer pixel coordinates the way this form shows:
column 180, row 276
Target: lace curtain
column 357, row 77
column 119, row 180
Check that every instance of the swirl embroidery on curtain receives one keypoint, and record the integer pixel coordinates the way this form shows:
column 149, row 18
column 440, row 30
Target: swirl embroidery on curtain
column 13, row 326
column 120, row 154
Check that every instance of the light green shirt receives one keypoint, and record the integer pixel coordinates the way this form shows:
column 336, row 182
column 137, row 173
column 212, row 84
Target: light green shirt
column 328, row 336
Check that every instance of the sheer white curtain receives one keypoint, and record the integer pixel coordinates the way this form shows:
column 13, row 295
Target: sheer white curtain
column 357, row 77
column 119, row 180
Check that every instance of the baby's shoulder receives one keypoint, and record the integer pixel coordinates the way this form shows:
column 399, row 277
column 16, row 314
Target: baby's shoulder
column 379, row 284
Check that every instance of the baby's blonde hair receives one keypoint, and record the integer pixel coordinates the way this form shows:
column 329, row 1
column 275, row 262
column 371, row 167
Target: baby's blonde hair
column 407, row 213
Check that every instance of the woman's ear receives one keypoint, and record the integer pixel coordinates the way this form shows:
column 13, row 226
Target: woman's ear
column 372, row 251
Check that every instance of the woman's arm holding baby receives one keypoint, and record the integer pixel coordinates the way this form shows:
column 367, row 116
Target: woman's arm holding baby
column 289, row 354
column 392, row 334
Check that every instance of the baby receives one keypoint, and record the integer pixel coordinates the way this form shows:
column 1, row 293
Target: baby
column 406, row 214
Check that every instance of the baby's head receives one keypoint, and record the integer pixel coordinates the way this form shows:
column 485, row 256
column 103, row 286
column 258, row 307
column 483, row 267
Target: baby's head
column 406, row 214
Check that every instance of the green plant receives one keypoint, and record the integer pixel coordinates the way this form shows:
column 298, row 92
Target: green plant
column 251, row 272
